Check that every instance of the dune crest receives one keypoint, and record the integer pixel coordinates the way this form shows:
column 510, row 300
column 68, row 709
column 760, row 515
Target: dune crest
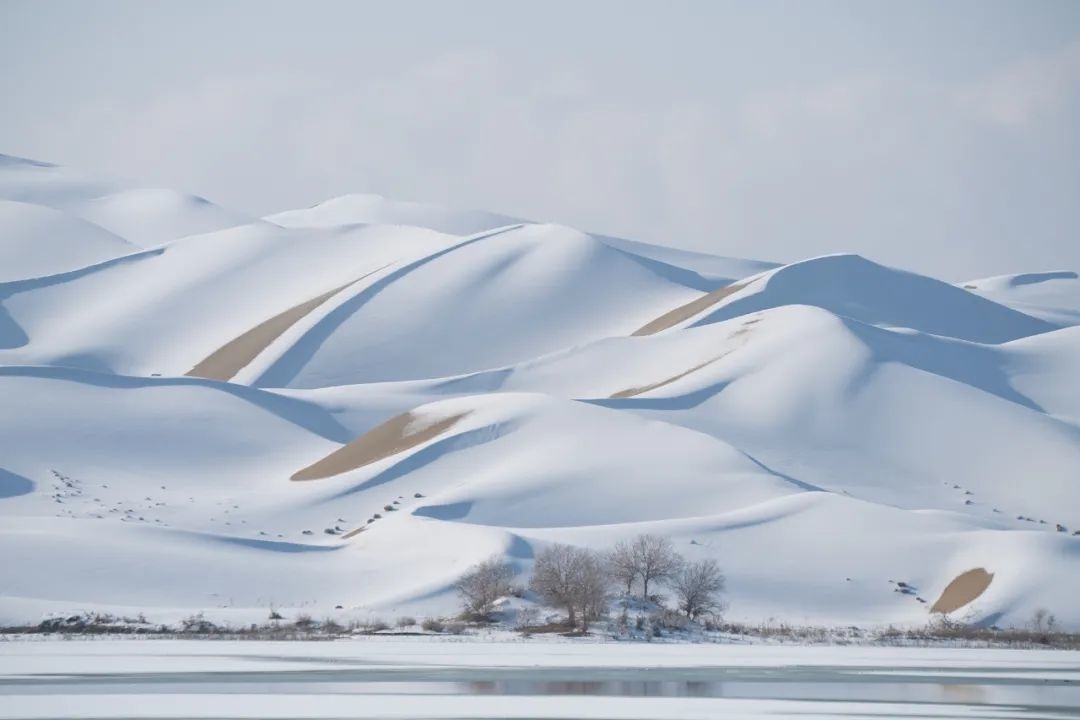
column 964, row 588
column 396, row 435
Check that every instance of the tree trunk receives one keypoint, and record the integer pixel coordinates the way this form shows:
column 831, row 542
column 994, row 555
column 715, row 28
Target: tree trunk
column 572, row 617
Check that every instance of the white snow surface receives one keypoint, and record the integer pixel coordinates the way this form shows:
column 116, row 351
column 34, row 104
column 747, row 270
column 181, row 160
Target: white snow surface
column 1053, row 296
column 371, row 209
column 831, row 429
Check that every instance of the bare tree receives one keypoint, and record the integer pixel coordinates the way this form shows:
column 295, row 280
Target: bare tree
column 649, row 558
column 656, row 560
column 485, row 583
column 572, row 578
column 1043, row 621
column 698, row 587
column 622, row 564
column 594, row 587
column 554, row 577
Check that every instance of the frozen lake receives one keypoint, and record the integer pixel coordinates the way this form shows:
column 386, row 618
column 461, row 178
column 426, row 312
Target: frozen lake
column 423, row 678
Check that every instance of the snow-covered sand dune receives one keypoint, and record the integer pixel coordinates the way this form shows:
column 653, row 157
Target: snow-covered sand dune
column 207, row 412
column 140, row 215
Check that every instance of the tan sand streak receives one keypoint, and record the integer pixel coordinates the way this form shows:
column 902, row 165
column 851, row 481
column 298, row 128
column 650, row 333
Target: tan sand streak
column 690, row 309
column 233, row 356
column 631, row 392
column 965, row 588
column 390, row 438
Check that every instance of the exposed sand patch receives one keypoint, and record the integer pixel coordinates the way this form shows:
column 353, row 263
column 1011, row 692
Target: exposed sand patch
column 690, row 309
column 744, row 329
column 396, row 435
column 353, row 533
column 631, row 392
column 965, row 588
column 233, row 356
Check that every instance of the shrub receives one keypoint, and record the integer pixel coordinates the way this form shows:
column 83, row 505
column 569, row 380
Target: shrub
column 527, row 617
column 711, row 622
column 483, row 584
column 197, row 624
column 669, row 620
column 698, row 587
column 433, row 625
column 405, row 621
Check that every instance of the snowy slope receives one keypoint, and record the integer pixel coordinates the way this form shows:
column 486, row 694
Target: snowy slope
column 1053, row 296
column 492, row 299
column 164, row 310
column 207, row 412
column 38, row 240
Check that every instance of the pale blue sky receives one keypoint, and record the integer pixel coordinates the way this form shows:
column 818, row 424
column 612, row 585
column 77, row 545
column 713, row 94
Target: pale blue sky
column 938, row 136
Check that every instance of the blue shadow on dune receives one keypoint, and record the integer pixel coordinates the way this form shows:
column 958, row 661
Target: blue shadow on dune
column 678, row 402
column 277, row 546
column 520, row 549
column 1033, row 278
column 12, row 485
column 451, row 511
column 308, row 416
column 12, row 334
column 671, row 273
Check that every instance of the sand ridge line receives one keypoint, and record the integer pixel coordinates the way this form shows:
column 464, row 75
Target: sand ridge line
column 631, row 392
column 743, row 330
column 235, row 355
column 690, row 309
column 964, row 588
column 399, row 433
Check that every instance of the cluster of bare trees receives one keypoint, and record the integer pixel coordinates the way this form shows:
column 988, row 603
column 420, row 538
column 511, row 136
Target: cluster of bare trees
column 573, row 578
column 651, row 559
column 581, row 581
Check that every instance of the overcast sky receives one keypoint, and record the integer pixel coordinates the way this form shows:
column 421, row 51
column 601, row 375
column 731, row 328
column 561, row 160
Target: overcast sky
column 939, row 136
